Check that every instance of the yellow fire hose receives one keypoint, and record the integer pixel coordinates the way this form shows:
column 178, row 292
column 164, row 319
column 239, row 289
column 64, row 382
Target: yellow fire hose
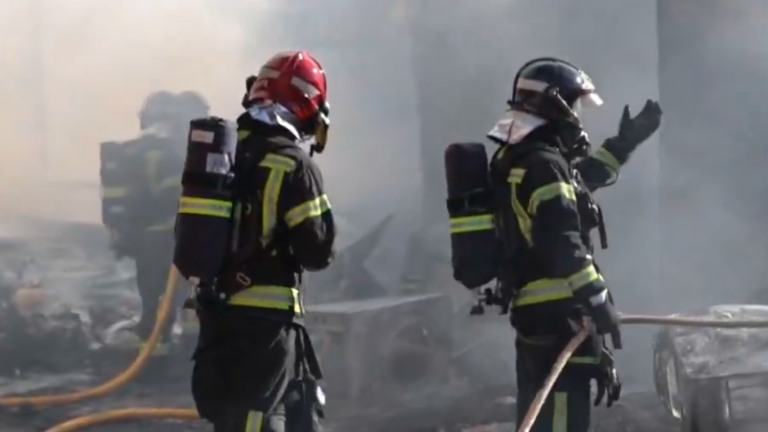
column 530, row 417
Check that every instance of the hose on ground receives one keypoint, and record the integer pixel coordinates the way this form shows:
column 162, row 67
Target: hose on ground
column 538, row 403
column 121, row 379
column 118, row 415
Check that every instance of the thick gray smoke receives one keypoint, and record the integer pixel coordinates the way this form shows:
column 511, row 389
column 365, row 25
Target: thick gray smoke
column 75, row 74
column 405, row 80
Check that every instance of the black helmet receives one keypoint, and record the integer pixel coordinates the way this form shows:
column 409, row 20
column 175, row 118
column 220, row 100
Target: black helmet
column 157, row 107
column 166, row 107
column 192, row 105
column 552, row 89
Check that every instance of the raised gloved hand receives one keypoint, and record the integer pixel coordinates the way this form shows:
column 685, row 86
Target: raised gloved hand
column 608, row 382
column 635, row 130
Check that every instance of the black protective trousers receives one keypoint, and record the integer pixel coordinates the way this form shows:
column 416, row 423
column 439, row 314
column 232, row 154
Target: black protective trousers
column 154, row 254
column 243, row 378
column 567, row 408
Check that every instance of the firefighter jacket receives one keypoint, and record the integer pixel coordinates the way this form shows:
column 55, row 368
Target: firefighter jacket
column 156, row 164
column 286, row 225
column 544, row 215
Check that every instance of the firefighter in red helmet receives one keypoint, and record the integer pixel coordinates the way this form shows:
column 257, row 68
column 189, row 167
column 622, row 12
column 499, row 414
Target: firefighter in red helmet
column 255, row 369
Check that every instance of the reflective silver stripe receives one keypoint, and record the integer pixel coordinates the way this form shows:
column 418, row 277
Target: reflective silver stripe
column 266, row 72
column 599, row 299
column 308, row 89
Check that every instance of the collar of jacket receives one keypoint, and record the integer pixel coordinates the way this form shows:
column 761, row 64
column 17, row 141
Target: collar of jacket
column 274, row 114
column 248, row 123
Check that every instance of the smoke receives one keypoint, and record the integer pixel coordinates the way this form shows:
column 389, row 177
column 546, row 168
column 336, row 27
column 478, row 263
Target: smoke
column 406, row 80
column 75, row 74
column 712, row 72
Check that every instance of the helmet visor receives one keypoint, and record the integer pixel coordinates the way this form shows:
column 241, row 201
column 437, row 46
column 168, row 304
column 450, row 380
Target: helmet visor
column 589, row 100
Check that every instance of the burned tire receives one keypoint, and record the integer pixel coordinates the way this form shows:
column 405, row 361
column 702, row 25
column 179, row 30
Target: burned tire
column 706, row 407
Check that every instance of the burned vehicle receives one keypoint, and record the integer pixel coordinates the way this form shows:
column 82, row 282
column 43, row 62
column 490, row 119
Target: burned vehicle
column 714, row 380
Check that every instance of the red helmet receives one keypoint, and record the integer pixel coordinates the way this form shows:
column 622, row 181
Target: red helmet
column 296, row 81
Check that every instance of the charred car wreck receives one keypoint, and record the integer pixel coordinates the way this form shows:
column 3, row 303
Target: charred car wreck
column 714, row 380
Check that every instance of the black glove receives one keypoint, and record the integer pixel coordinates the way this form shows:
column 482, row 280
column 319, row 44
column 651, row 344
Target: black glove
column 635, row 130
column 608, row 382
column 605, row 317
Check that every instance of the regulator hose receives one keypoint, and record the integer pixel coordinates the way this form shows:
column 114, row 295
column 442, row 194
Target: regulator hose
column 118, row 381
column 533, row 412
column 117, row 415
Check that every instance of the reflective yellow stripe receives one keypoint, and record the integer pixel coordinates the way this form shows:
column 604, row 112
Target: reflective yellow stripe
column 604, row 156
column 584, row 277
column 471, row 224
column 152, row 158
column 278, row 162
column 541, row 291
column 310, row 209
column 583, row 360
column 545, row 290
column 189, row 322
column 560, row 412
column 243, row 134
column 114, row 192
column 523, row 219
column 164, row 226
column 516, row 175
column 269, row 203
column 254, row 422
column 548, row 192
column 269, row 297
column 205, row 207
column 500, row 153
column 168, row 183
column 279, row 166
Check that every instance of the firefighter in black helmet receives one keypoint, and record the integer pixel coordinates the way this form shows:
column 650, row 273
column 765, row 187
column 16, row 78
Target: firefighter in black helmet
column 255, row 368
column 543, row 175
column 156, row 160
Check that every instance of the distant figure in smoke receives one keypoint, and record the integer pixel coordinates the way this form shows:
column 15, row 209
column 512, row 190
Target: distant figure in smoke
column 151, row 168
column 544, row 175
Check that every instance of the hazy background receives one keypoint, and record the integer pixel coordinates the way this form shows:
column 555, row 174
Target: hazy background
column 406, row 78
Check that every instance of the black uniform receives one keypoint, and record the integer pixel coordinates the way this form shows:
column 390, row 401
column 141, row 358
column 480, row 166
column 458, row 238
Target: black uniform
column 152, row 200
column 254, row 363
column 544, row 214
column 545, row 202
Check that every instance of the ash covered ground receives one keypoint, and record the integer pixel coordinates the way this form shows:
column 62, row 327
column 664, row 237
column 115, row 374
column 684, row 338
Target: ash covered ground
column 75, row 279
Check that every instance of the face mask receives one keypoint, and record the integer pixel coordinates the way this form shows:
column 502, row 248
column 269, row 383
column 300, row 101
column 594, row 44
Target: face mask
column 575, row 142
